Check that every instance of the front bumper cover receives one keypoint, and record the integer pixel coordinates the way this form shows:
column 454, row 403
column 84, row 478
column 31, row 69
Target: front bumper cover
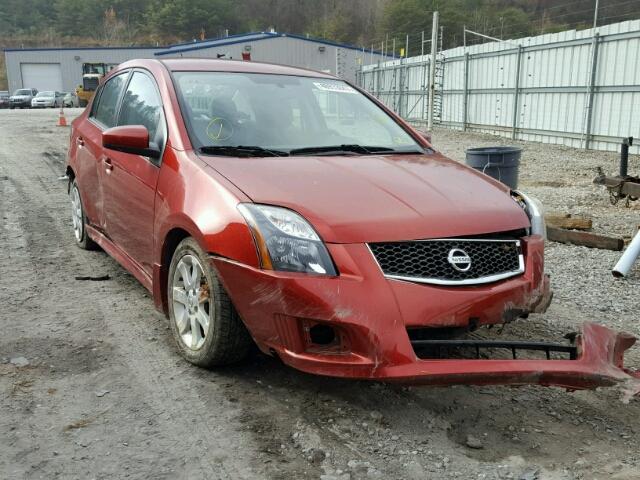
column 372, row 316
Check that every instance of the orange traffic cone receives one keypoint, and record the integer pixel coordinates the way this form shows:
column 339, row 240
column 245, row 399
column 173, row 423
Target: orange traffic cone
column 62, row 121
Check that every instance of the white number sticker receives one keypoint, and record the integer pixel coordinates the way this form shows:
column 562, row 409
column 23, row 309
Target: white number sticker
column 337, row 87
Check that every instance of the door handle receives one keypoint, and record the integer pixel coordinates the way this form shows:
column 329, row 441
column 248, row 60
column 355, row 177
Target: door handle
column 80, row 141
column 108, row 165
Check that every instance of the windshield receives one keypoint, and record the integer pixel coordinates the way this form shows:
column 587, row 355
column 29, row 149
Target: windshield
column 23, row 92
column 45, row 94
column 283, row 113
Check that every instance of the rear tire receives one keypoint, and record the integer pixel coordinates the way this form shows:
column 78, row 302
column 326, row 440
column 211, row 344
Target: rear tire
column 79, row 219
column 204, row 322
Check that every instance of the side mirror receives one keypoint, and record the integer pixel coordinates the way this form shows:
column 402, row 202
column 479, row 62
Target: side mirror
column 132, row 139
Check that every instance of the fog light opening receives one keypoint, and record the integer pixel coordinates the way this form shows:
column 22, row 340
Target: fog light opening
column 322, row 334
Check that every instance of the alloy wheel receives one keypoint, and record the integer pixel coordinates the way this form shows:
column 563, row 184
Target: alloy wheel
column 192, row 305
column 76, row 214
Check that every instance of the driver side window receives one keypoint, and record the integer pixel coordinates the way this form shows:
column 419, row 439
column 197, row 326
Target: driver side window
column 141, row 105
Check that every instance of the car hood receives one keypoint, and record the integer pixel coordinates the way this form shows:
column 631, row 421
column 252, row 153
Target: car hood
column 355, row 199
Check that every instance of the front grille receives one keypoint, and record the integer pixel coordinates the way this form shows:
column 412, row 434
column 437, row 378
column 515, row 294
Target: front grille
column 450, row 261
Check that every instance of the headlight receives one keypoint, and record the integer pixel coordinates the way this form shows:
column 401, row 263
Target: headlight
column 533, row 209
column 286, row 241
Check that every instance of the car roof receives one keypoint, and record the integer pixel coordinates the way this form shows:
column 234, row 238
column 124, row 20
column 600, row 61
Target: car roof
column 226, row 65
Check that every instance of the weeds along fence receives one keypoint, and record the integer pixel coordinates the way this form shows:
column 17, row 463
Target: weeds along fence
column 577, row 88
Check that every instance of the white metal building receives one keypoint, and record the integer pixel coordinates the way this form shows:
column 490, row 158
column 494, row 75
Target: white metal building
column 61, row 68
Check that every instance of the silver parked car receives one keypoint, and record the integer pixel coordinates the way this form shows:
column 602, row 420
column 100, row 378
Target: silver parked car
column 70, row 99
column 22, row 97
column 4, row 99
column 46, row 99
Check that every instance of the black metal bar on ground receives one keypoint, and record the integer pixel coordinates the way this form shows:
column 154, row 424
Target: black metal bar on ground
column 624, row 156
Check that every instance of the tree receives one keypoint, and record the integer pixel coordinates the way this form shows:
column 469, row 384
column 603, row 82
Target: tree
column 186, row 18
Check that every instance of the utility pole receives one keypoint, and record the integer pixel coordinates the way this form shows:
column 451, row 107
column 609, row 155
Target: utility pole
column 432, row 69
column 595, row 15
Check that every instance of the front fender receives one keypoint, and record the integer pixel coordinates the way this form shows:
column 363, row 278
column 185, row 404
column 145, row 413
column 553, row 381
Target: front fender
column 194, row 200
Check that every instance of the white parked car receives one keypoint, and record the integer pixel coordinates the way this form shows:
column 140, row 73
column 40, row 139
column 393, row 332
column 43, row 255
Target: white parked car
column 70, row 99
column 47, row 99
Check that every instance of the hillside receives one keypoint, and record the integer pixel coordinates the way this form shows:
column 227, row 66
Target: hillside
column 25, row 23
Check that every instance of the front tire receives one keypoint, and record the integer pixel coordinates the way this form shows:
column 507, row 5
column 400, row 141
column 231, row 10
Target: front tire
column 79, row 219
column 205, row 325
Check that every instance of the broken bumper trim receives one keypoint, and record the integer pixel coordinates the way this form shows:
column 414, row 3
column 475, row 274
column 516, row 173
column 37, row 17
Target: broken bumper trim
column 439, row 346
column 599, row 364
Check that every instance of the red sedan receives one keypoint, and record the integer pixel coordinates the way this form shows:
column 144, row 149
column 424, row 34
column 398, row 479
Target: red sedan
column 269, row 204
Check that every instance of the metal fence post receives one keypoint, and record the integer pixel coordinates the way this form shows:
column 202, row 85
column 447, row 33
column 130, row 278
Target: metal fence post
column 424, row 88
column 465, row 95
column 516, row 93
column 592, row 89
column 407, row 84
column 401, row 76
column 432, row 69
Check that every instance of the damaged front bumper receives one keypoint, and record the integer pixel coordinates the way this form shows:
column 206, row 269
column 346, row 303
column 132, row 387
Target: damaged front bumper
column 360, row 325
column 598, row 361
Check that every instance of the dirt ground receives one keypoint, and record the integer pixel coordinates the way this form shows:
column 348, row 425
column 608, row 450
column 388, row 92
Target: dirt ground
column 92, row 386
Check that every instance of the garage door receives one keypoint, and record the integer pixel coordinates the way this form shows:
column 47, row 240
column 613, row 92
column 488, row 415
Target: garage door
column 43, row 76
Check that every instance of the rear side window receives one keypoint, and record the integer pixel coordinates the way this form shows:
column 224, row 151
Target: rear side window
column 106, row 111
column 142, row 106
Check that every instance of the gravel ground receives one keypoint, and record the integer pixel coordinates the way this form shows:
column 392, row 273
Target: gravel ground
column 91, row 385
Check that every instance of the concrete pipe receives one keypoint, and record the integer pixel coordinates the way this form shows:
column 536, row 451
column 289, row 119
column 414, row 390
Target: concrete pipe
column 627, row 259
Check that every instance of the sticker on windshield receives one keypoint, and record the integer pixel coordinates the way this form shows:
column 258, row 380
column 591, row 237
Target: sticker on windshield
column 219, row 129
column 338, row 87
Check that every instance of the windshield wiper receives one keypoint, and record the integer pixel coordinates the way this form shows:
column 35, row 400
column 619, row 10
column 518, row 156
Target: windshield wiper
column 337, row 149
column 241, row 151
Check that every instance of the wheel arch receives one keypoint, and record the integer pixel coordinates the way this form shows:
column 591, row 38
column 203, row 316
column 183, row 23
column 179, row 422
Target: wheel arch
column 71, row 175
column 234, row 241
column 170, row 242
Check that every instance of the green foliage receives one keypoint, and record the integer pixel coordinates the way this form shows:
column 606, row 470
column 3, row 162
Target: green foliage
column 78, row 17
column 187, row 18
column 363, row 22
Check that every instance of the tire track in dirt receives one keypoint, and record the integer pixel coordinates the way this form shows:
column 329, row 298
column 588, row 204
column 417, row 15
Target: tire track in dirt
column 152, row 362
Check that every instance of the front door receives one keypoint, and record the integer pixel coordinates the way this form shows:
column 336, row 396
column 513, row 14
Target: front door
column 130, row 180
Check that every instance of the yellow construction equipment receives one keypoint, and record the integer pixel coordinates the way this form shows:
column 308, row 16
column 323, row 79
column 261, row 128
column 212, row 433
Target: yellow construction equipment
column 91, row 75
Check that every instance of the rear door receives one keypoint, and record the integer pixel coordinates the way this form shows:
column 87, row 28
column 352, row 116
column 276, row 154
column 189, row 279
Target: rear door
column 131, row 179
column 89, row 152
